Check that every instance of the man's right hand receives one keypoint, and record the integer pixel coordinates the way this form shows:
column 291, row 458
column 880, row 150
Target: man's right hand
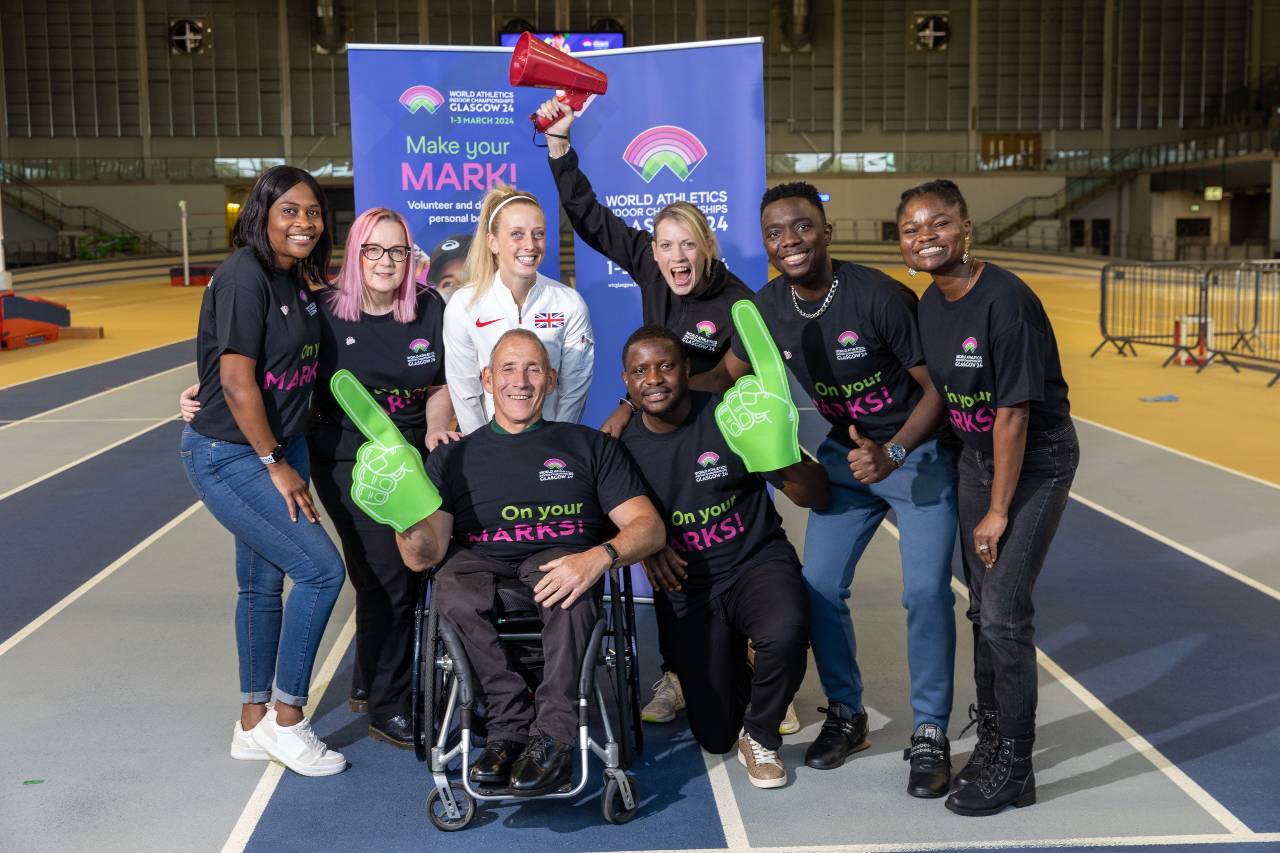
column 665, row 570
column 388, row 481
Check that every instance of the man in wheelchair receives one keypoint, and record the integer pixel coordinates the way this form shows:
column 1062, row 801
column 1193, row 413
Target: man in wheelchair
column 555, row 505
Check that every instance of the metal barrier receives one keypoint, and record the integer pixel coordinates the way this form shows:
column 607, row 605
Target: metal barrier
column 1227, row 313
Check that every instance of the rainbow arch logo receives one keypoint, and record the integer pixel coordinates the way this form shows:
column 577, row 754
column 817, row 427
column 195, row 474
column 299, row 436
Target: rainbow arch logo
column 419, row 345
column 970, row 344
column 847, row 338
column 554, row 464
column 706, row 328
column 664, row 147
column 421, row 97
column 708, row 459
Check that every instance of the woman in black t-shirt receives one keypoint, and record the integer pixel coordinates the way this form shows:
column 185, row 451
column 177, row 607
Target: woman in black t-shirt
column 257, row 348
column 992, row 355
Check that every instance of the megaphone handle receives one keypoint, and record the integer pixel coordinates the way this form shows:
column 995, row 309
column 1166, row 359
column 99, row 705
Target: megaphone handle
column 572, row 99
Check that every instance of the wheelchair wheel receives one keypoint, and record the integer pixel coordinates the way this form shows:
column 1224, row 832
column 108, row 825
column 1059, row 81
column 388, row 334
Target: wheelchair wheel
column 438, row 809
column 423, row 654
column 612, row 804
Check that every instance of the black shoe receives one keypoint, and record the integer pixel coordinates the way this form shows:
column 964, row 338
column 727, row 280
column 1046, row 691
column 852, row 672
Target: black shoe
column 1006, row 781
column 358, row 701
column 843, row 733
column 930, row 757
column 988, row 723
column 396, row 730
column 545, row 765
column 493, row 767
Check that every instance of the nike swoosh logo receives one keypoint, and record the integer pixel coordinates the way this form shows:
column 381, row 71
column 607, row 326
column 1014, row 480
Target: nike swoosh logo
column 481, row 325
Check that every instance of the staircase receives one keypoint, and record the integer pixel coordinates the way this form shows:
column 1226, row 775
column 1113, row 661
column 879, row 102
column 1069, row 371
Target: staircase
column 1077, row 193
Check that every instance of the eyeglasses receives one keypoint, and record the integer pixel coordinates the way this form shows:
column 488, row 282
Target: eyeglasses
column 374, row 252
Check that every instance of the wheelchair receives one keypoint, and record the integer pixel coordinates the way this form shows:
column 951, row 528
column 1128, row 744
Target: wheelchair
column 444, row 697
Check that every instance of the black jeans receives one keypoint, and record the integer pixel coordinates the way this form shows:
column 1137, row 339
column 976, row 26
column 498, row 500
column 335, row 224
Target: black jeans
column 769, row 604
column 1000, row 604
column 386, row 593
column 464, row 592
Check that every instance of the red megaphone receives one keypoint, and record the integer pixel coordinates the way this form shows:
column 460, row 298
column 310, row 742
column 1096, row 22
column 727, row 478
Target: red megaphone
column 538, row 64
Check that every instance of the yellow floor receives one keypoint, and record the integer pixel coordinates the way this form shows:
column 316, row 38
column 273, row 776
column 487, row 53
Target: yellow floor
column 1220, row 416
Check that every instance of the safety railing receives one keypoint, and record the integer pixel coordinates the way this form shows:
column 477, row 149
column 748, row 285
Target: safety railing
column 1226, row 313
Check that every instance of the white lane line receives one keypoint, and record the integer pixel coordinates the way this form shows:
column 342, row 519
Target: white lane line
column 86, row 458
column 1019, row 844
column 261, row 796
column 735, row 834
column 1137, row 742
column 1179, row 547
column 1181, row 453
column 110, row 390
column 62, row 605
column 90, row 421
column 97, row 363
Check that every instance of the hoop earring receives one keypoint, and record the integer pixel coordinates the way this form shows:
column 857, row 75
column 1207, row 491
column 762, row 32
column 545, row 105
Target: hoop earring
column 912, row 273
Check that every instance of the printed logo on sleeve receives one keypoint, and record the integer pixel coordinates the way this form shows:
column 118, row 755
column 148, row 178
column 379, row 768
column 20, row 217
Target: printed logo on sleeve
column 703, row 336
column 709, row 467
column 548, row 320
column 848, row 346
column 967, row 358
column 419, row 353
column 310, row 306
column 554, row 469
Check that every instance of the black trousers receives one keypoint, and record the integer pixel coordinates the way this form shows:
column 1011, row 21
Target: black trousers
column 386, row 593
column 769, row 605
column 464, row 592
column 1000, row 604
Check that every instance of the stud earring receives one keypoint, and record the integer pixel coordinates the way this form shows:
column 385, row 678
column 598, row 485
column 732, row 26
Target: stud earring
column 912, row 273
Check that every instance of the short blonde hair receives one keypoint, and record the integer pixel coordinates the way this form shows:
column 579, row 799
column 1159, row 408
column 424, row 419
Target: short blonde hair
column 692, row 219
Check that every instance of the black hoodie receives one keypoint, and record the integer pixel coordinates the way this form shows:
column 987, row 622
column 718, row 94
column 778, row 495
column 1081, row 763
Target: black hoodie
column 701, row 319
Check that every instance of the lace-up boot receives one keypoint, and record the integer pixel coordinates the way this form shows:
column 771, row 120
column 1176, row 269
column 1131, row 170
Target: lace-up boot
column 1006, row 780
column 988, row 723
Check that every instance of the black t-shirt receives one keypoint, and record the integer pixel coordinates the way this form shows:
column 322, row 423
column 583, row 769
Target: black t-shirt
column 512, row 496
column 993, row 347
column 396, row 362
column 266, row 315
column 853, row 360
column 702, row 320
column 718, row 515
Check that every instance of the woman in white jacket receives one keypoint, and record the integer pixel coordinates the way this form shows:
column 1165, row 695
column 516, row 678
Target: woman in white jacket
column 503, row 290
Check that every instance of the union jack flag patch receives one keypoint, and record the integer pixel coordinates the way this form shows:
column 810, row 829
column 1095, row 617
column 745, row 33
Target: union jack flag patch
column 548, row 320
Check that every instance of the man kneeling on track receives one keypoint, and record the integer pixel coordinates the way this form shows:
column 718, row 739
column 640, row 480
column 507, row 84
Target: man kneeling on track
column 729, row 572
column 553, row 504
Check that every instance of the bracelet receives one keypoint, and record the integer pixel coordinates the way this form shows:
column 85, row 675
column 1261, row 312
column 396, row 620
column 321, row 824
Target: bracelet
column 555, row 135
column 624, row 400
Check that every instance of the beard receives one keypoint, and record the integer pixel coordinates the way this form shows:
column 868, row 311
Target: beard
column 819, row 268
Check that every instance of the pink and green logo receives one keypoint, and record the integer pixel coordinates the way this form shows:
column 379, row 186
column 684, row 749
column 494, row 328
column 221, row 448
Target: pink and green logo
column 419, row 345
column 847, row 338
column 664, row 147
column 554, row 464
column 421, row 97
column 970, row 344
column 706, row 328
column 708, row 459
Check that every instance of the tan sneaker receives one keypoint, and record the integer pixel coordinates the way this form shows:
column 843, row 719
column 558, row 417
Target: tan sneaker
column 764, row 767
column 668, row 699
column 790, row 723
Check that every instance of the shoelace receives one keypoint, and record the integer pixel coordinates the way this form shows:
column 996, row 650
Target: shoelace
column 538, row 747
column 308, row 736
column 759, row 754
column 664, row 689
column 988, row 740
column 926, row 751
column 836, row 722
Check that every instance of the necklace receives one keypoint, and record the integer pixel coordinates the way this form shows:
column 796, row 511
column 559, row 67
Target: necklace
column 795, row 300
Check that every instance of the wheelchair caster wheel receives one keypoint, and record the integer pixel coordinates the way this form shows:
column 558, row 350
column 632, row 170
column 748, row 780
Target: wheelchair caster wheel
column 612, row 803
column 438, row 811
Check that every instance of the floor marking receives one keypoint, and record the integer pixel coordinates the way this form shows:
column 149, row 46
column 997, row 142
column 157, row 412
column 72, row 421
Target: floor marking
column 89, row 421
column 1034, row 844
column 97, row 363
column 735, row 834
column 271, row 777
column 99, row 452
column 70, row 599
column 1176, row 452
column 1136, row 742
column 1179, row 547
column 110, row 390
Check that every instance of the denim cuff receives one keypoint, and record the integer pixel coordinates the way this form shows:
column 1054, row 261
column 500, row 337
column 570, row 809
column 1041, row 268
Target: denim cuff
column 289, row 699
column 257, row 697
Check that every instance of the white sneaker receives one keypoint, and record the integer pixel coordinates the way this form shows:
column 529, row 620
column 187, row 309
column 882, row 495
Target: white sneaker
column 764, row 767
column 244, row 747
column 668, row 699
column 298, row 748
column 790, row 723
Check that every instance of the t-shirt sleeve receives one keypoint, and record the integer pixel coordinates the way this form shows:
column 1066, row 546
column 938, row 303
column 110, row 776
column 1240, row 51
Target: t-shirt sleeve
column 898, row 328
column 240, row 310
column 435, row 466
column 1018, row 355
column 617, row 480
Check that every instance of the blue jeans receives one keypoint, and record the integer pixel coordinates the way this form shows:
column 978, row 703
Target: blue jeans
column 922, row 493
column 272, row 642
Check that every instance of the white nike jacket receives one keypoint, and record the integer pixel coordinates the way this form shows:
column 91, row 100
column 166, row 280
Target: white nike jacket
column 552, row 311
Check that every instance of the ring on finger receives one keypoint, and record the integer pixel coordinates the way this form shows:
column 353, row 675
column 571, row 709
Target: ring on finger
column 984, row 547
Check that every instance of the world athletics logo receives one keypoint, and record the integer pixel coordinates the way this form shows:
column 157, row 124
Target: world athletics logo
column 970, row 345
column 706, row 328
column 419, row 345
column 554, row 464
column 708, row 459
column 421, row 97
column 554, row 469
column 664, row 147
column 847, row 338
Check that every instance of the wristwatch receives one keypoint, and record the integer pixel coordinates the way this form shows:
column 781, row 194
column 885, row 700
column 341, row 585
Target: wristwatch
column 612, row 552
column 276, row 455
column 897, row 453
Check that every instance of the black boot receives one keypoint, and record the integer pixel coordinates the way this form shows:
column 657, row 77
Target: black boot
column 1006, row 780
column 930, row 757
column 988, row 723
column 395, row 730
column 358, row 701
column 843, row 734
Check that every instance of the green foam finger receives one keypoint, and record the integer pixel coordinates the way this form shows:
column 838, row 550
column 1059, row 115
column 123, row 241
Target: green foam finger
column 364, row 411
column 766, row 363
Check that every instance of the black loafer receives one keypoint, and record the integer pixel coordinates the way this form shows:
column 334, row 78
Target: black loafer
column 397, row 731
column 930, row 757
column 493, row 767
column 358, row 701
column 843, row 733
column 545, row 765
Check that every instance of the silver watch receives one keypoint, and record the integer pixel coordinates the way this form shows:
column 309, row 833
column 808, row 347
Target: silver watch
column 897, row 453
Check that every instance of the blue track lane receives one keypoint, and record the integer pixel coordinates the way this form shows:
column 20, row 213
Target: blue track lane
column 41, row 395
column 113, row 501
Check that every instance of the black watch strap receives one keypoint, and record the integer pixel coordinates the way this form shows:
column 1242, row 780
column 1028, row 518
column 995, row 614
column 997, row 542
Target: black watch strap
column 612, row 552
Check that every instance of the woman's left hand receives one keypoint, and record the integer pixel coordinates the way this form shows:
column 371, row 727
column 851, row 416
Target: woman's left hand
column 437, row 437
column 986, row 536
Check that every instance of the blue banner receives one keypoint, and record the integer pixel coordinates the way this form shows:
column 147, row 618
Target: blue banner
column 433, row 128
column 679, row 123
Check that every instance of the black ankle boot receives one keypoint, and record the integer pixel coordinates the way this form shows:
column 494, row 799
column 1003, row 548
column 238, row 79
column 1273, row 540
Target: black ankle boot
column 988, row 723
column 1006, row 780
